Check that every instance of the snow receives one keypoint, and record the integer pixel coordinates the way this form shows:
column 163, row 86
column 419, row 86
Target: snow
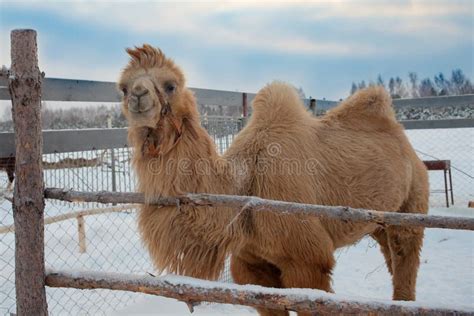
column 445, row 277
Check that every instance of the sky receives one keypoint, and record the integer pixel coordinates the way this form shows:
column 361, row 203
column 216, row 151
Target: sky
column 320, row 46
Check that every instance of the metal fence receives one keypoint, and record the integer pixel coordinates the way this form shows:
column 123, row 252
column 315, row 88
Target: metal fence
column 106, row 240
column 110, row 240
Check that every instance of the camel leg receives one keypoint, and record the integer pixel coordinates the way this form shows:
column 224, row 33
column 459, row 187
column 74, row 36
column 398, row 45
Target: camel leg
column 380, row 235
column 305, row 275
column 405, row 245
column 255, row 271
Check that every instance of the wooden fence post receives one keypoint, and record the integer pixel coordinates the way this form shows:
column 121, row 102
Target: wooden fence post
column 81, row 231
column 28, row 200
column 312, row 106
column 244, row 105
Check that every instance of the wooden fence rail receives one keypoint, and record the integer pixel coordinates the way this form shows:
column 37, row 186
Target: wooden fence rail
column 190, row 290
column 56, row 89
column 59, row 141
column 79, row 216
column 258, row 204
column 75, row 215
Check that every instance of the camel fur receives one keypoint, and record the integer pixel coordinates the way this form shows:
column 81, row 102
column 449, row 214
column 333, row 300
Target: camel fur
column 357, row 155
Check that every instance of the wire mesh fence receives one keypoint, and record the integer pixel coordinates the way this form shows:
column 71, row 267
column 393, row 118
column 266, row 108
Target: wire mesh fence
column 455, row 145
column 109, row 240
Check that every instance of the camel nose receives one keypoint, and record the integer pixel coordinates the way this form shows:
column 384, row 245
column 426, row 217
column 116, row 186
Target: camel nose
column 139, row 90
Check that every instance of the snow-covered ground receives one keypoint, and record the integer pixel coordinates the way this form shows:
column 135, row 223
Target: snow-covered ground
column 446, row 276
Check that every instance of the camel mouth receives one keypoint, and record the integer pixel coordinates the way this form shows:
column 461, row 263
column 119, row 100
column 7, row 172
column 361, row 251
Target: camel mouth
column 139, row 111
column 140, row 108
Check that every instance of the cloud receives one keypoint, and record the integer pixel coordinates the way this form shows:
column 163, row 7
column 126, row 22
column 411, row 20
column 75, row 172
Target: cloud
column 260, row 25
column 203, row 22
column 409, row 18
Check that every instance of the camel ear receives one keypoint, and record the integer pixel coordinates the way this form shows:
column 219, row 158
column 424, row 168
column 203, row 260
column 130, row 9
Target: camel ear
column 133, row 52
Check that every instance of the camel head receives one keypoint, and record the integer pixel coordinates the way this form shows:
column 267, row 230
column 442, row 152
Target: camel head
column 152, row 86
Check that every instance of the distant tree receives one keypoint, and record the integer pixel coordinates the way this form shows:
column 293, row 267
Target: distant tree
column 426, row 88
column 353, row 88
column 380, row 81
column 467, row 88
column 400, row 90
column 458, row 84
column 414, row 84
column 301, row 92
column 362, row 85
column 442, row 84
column 391, row 86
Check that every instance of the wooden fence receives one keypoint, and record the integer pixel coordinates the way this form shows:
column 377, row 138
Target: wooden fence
column 25, row 86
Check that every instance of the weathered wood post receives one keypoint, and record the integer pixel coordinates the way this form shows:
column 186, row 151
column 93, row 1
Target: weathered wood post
column 312, row 106
column 245, row 113
column 28, row 199
column 244, row 105
column 81, row 232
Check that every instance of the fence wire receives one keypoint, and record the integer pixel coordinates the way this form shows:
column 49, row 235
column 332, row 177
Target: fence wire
column 455, row 145
column 112, row 242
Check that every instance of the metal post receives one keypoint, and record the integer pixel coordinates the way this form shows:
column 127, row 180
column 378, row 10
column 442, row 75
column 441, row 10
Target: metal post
column 244, row 105
column 451, row 185
column 312, row 106
column 28, row 201
column 112, row 157
column 244, row 110
column 446, row 188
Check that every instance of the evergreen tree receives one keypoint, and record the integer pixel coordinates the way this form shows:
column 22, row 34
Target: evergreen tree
column 380, row 81
column 362, row 85
column 400, row 90
column 391, row 86
column 427, row 88
column 353, row 88
column 442, row 84
column 414, row 84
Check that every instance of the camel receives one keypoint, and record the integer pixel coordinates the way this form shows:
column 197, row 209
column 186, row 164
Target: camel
column 356, row 155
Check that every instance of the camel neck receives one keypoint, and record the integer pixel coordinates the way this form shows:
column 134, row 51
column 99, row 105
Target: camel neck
column 192, row 166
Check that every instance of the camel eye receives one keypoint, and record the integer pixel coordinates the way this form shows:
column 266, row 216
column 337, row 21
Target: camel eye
column 170, row 87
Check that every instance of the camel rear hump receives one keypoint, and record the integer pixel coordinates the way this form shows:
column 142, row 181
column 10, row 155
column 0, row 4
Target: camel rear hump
column 369, row 104
column 278, row 101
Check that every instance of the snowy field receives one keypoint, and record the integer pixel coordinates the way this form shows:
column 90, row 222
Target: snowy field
column 445, row 278
column 446, row 274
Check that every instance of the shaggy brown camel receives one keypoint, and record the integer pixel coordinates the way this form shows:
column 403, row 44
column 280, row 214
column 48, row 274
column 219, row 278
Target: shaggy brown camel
column 357, row 155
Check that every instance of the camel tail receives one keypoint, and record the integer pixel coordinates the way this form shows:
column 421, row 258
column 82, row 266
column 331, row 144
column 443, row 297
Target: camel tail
column 278, row 101
column 372, row 102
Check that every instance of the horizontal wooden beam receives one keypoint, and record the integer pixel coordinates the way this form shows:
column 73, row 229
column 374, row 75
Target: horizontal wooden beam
column 58, row 141
column 437, row 101
column 437, row 124
column 258, row 204
column 190, row 291
column 55, row 89
column 76, row 214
